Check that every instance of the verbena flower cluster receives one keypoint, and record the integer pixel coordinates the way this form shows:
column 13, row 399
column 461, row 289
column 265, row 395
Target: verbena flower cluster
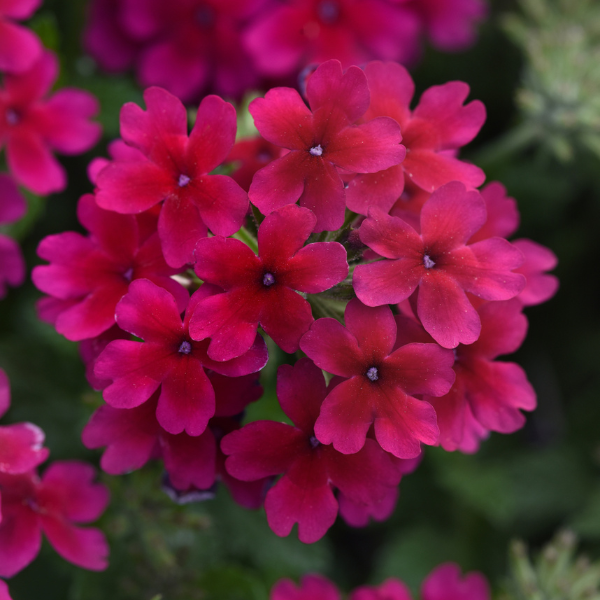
column 230, row 46
column 352, row 234
column 55, row 503
column 443, row 583
column 33, row 125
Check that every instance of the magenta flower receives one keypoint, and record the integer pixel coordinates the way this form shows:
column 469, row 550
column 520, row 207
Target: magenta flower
column 312, row 587
column 248, row 156
column 432, row 133
column 379, row 382
column 19, row 46
column 64, row 497
column 105, row 37
column 440, row 263
column 304, row 494
column 12, row 208
column 390, row 589
column 168, row 359
column 294, row 34
column 20, row 444
column 445, row 583
column 321, row 139
column 450, row 24
column 175, row 169
column 502, row 213
column 133, row 436
column 32, row 125
column 487, row 395
column 89, row 275
column 261, row 289
column 538, row 259
column 4, row 595
column 359, row 515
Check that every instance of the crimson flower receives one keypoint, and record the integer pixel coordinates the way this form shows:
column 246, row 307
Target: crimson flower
column 292, row 35
column 487, row 395
column 379, row 382
column 4, row 591
column 88, row 275
column 538, row 259
column 32, row 125
column 321, row 139
column 390, row 589
column 175, row 169
column 260, row 289
column 450, row 24
column 443, row 583
column 133, row 435
column 358, row 515
column 12, row 208
column 64, row 497
column 440, row 262
column 20, row 444
column 432, row 133
column 304, row 494
column 19, row 46
column 248, row 155
column 312, row 587
column 168, row 359
column 502, row 213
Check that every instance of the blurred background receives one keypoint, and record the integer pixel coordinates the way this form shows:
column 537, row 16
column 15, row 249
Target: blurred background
column 536, row 67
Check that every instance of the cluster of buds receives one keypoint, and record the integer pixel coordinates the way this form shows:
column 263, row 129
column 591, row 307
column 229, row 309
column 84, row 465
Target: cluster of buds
column 360, row 213
column 229, row 47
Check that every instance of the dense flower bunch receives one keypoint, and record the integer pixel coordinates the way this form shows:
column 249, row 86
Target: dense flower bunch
column 366, row 248
column 443, row 583
column 55, row 503
column 230, row 46
column 33, row 124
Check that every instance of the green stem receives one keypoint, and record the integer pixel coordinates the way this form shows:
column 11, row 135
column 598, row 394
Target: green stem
column 245, row 236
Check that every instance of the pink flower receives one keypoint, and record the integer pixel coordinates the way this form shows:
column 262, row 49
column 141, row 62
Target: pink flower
column 502, row 213
column 19, row 47
column 304, row 494
column 487, row 395
column 20, row 444
column 538, row 259
column 312, row 587
column 89, row 275
column 300, row 32
column 358, row 515
column 105, row 37
column 380, row 382
column 168, row 359
column 64, row 497
column 445, row 583
column 261, row 289
column 175, row 169
column 321, row 139
column 390, row 589
column 4, row 591
column 432, row 133
column 248, row 156
column 32, row 125
column 440, row 263
column 133, row 436
column 450, row 24
column 12, row 208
